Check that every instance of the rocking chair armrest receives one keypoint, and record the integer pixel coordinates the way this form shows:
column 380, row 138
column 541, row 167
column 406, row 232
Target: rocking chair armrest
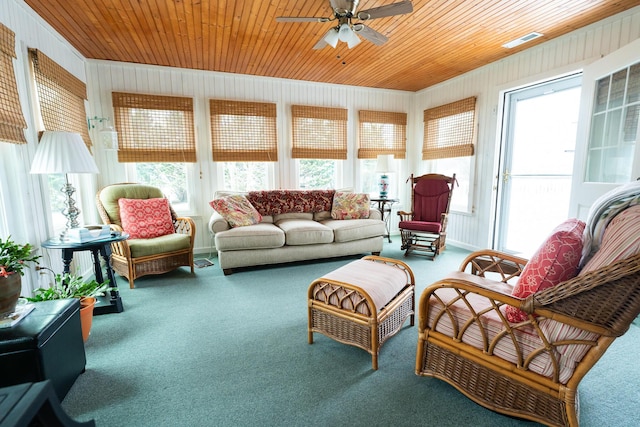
column 491, row 261
column 405, row 216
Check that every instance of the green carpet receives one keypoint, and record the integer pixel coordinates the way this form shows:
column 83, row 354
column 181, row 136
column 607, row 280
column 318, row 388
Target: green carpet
column 214, row 350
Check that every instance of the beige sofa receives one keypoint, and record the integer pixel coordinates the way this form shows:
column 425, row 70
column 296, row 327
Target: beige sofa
column 296, row 225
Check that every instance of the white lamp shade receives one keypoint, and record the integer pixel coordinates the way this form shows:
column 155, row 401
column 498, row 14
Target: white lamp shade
column 382, row 165
column 61, row 153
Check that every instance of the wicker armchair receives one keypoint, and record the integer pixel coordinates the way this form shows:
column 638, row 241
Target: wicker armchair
column 425, row 227
column 135, row 258
column 598, row 307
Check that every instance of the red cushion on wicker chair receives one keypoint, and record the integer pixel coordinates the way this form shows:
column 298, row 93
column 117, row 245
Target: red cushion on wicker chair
column 554, row 262
column 146, row 218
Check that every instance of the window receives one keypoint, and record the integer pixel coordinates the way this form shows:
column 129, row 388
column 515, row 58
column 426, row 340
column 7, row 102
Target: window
column 243, row 139
column 380, row 133
column 449, row 134
column 12, row 121
column 61, row 97
column 156, row 135
column 171, row 178
column 154, row 128
column 245, row 176
column 614, row 127
column 319, row 140
column 317, row 174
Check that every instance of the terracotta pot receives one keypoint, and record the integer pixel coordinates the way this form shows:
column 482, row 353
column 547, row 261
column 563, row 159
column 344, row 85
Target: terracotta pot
column 10, row 289
column 86, row 315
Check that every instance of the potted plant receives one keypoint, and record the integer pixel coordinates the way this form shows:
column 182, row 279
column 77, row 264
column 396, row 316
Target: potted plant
column 14, row 258
column 73, row 286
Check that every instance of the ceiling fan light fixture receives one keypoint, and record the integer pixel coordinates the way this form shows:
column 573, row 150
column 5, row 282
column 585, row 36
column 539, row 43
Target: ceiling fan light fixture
column 332, row 37
column 347, row 35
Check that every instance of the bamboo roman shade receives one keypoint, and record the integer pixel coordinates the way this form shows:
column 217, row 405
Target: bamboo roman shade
column 243, row 131
column 382, row 133
column 12, row 121
column 319, row 132
column 154, row 128
column 61, row 97
column 449, row 130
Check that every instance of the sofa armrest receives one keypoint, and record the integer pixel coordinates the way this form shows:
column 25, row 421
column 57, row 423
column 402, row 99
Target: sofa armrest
column 375, row 214
column 217, row 223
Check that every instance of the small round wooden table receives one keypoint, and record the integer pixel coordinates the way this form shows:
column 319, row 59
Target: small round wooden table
column 99, row 248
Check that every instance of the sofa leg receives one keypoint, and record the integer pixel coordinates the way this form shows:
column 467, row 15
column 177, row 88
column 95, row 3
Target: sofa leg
column 227, row 271
column 375, row 253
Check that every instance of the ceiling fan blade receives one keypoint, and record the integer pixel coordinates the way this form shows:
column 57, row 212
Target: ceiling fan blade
column 300, row 19
column 321, row 43
column 372, row 35
column 399, row 8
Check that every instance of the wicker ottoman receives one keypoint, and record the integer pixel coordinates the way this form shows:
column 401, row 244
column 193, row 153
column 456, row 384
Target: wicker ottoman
column 362, row 303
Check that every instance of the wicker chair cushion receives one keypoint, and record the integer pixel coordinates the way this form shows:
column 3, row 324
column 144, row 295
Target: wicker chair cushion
column 350, row 206
column 621, row 239
column 146, row 218
column 555, row 261
column 376, row 279
column 110, row 195
column 236, row 210
column 159, row 245
column 526, row 337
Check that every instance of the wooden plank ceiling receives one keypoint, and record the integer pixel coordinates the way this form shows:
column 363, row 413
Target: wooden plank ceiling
column 440, row 39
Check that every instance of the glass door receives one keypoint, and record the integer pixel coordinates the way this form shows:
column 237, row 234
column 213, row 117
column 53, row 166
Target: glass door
column 534, row 182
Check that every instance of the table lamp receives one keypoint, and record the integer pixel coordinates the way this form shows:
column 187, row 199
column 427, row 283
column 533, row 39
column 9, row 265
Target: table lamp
column 64, row 153
column 382, row 167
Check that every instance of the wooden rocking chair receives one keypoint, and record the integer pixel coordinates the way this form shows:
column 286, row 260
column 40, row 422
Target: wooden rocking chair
column 425, row 227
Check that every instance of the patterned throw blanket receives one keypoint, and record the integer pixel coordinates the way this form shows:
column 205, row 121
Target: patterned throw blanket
column 602, row 212
column 275, row 202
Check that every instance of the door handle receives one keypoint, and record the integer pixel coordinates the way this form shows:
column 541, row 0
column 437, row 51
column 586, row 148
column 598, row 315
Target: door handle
column 505, row 176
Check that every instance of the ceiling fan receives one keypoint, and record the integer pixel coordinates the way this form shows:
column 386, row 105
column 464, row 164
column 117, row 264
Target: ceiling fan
column 344, row 11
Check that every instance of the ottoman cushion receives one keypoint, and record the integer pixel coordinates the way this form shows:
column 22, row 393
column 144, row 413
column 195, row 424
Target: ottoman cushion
column 381, row 282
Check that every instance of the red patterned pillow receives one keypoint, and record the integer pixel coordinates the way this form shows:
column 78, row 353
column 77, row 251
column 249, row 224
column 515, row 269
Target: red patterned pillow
column 236, row 210
column 350, row 206
column 554, row 262
column 146, row 218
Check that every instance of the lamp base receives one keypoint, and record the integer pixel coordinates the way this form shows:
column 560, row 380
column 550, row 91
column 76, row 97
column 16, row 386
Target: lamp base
column 383, row 185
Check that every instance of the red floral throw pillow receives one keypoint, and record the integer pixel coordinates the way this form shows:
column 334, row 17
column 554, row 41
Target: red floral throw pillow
column 146, row 218
column 554, row 262
column 236, row 210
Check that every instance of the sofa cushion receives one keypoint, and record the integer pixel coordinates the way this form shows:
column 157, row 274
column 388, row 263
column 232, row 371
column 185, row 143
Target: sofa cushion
column 146, row 218
column 258, row 236
column 159, row 245
column 350, row 206
column 554, row 262
column 236, row 210
column 620, row 240
column 355, row 229
column 304, row 232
